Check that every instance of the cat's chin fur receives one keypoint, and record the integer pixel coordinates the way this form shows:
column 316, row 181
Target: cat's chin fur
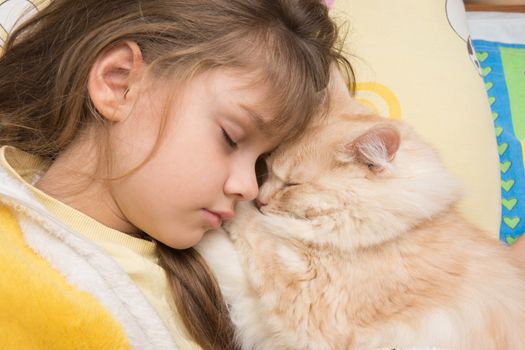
column 358, row 245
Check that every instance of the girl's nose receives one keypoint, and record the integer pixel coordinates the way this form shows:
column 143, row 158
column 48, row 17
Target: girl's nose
column 242, row 185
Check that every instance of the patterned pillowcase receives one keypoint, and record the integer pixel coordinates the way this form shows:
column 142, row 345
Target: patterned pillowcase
column 500, row 47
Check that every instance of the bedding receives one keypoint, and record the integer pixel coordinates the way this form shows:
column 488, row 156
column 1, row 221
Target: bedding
column 499, row 42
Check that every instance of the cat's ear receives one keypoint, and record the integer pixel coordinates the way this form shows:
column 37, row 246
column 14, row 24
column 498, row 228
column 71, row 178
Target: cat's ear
column 376, row 148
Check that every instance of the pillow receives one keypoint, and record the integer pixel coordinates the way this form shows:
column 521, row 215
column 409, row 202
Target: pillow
column 412, row 62
column 499, row 41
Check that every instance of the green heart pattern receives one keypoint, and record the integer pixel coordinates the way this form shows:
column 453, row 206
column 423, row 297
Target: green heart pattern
column 502, row 148
column 509, row 203
column 482, row 56
column 505, row 166
column 511, row 222
column 507, row 185
column 512, row 219
column 511, row 240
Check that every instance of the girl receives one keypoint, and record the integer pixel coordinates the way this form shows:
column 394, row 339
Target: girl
column 130, row 129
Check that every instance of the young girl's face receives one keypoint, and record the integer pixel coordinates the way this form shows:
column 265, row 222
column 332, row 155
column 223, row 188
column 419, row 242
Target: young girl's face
column 205, row 160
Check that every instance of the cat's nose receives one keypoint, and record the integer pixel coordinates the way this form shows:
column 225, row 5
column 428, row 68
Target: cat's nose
column 259, row 203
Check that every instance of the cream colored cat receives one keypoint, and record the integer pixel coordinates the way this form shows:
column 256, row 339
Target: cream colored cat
column 358, row 245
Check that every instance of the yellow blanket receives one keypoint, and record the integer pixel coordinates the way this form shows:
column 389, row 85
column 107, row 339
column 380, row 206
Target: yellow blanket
column 40, row 309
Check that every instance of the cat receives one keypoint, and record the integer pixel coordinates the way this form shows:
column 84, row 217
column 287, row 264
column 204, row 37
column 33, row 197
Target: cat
column 356, row 243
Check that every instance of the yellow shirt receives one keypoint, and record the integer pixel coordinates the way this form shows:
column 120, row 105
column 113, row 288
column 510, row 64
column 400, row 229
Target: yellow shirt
column 136, row 256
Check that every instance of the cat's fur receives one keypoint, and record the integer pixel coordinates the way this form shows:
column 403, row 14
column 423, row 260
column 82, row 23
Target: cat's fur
column 358, row 245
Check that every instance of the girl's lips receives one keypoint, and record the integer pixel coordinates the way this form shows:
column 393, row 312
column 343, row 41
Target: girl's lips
column 224, row 215
column 213, row 219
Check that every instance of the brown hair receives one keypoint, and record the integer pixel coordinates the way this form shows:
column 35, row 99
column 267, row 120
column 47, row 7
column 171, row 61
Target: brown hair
column 44, row 101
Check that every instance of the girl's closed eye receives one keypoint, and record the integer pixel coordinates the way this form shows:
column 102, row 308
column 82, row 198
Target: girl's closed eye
column 228, row 139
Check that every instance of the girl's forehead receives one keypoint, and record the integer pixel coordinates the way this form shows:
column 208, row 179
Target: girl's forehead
column 244, row 92
column 245, row 85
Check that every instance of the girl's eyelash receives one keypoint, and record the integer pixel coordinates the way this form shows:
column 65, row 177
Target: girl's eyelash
column 228, row 139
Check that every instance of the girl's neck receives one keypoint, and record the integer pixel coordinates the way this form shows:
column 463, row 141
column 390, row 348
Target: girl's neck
column 72, row 179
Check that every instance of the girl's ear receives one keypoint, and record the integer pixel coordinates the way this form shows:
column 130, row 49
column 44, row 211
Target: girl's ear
column 113, row 80
column 376, row 148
